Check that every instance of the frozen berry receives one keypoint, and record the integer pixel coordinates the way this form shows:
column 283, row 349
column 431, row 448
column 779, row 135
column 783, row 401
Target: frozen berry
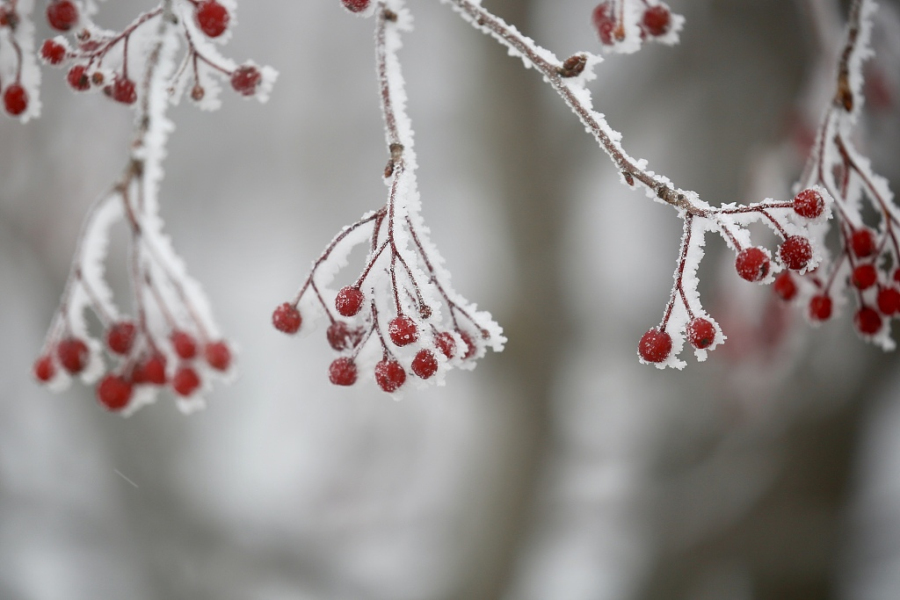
column 445, row 343
column 186, row 381
column 403, row 330
column 62, row 14
column 343, row 337
column 123, row 90
column 864, row 276
column 889, row 301
column 78, row 78
column 120, row 337
column 863, row 242
column 245, row 80
column 785, row 286
column 657, row 20
column 44, row 369
column 356, row 5
column 286, row 318
column 424, row 364
column 809, row 204
column 389, row 375
column 752, row 264
column 342, row 371
column 604, row 19
column 471, row 348
column 820, row 308
column 655, row 346
column 348, row 301
column 151, row 370
column 795, row 252
column 15, row 99
column 212, row 18
column 184, row 344
column 52, row 52
column 867, row 321
column 73, row 354
column 701, row 333
column 114, row 392
column 218, row 355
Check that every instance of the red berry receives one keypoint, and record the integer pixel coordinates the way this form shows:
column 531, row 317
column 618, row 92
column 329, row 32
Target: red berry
column 342, row 371
column 8, row 17
column 186, row 381
column 184, row 344
column 889, row 301
column 286, row 318
column 212, row 18
column 389, row 375
column 655, row 346
column 52, row 52
column 355, row 5
column 15, row 99
column 72, row 354
column 123, row 90
column 44, row 369
column 795, row 252
column 120, row 337
column 424, row 364
column 348, row 301
column 62, row 15
column 752, row 264
column 403, row 331
column 245, row 80
column 445, row 343
column 343, row 337
column 657, row 20
column 864, row 276
column 867, row 321
column 471, row 348
column 863, row 242
column 604, row 19
column 78, row 78
column 820, row 308
column 809, row 204
column 151, row 371
column 701, row 333
column 218, row 355
column 785, row 286
column 114, row 392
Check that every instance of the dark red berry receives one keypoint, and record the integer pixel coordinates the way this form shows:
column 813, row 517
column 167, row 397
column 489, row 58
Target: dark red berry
column 15, row 99
column 863, row 242
column 186, row 381
column 424, row 364
column 701, row 333
column 78, row 78
column 604, row 19
column 342, row 371
column 785, row 286
column 8, row 17
column 655, row 346
column 403, row 330
column 73, row 354
column 343, row 337
column 212, row 18
column 286, row 318
column 471, row 348
column 389, row 375
column 348, row 301
column 245, row 80
column 889, row 301
column 62, row 15
column 44, row 369
column 445, row 343
column 795, row 252
column 820, row 308
column 657, row 20
column 120, row 337
column 752, row 264
column 114, row 392
column 184, row 344
column 218, row 355
column 152, row 370
column 356, row 5
column 864, row 276
column 123, row 90
column 867, row 321
column 809, row 204
column 52, row 52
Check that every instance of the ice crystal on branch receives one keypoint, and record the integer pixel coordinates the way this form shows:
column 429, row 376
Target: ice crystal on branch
column 399, row 320
column 171, row 339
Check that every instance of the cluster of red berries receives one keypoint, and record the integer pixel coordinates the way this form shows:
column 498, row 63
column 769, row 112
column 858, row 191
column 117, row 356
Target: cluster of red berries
column 656, row 21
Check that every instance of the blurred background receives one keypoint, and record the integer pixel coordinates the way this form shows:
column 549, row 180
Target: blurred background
column 560, row 469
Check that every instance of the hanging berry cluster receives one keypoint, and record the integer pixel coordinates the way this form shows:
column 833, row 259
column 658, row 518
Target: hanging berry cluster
column 19, row 74
column 399, row 320
column 171, row 339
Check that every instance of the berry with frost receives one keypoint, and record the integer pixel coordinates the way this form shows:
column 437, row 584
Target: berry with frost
column 185, row 381
column 863, row 242
column 73, row 354
column 655, row 346
column 44, row 369
column 604, row 19
column 78, row 78
column 348, row 301
column 785, row 286
column 424, row 364
column 15, row 99
column 356, row 5
column 218, row 355
column 389, row 375
column 701, row 333
column 184, row 344
column 445, row 343
column 820, row 307
column 246, row 79
column 795, row 252
column 52, row 52
column 151, row 370
column 809, row 204
column 403, row 331
column 342, row 336
column 114, row 392
column 867, row 321
column 752, row 264
column 342, row 371
column 212, row 18
column 286, row 318
column 123, row 90
column 471, row 348
column 62, row 15
column 656, row 20
column 120, row 337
